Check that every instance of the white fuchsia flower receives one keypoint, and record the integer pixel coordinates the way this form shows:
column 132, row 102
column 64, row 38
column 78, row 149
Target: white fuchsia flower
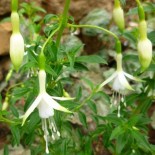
column 46, row 105
column 120, row 83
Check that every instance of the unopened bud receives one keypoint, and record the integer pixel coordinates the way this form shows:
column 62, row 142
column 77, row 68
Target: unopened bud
column 5, row 104
column 16, row 49
column 118, row 15
column 145, row 53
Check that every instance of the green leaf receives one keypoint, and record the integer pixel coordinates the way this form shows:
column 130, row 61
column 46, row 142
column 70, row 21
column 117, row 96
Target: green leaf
column 88, row 82
column 37, row 18
column 82, row 118
column 49, row 70
column 113, row 119
column 20, row 92
column 49, row 17
column 104, row 95
column 51, row 53
column 14, row 111
column 121, row 141
column 91, row 59
column 79, row 93
column 151, row 68
column 34, row 119
column 151, row 36
column 6, row 150
column 131, row 35
column 78, row 66
column 123, row 2
column 88, row 145
column 16, row 135
column 142, row 142
column 0, row 102
column 92, row 106
column 129, row 57
column 116, row 132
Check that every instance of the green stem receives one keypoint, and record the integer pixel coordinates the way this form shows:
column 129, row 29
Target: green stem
column 116, row 3
column 5, row 120
column 95, row 27
column 14, row 5
column 118, row 47
column 87, row 99
column 63, row 22
column 42, row 56
column 118, row 43
column 84, row 102
column 141, row 12
column 51, row 35
column 138, row 2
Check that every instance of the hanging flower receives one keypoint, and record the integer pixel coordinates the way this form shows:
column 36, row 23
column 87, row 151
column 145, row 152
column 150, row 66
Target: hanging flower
column 120, row 83
column 46, row 105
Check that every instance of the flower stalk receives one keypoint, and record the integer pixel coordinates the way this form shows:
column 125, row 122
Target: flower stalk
column 63, row 23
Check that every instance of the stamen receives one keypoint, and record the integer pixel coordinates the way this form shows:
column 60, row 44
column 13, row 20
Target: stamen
column 124, row 104
column 122, row 99
column 58, row 133
column 54, row 131
column 44, row 127
column 119, row 97
column 115, row 98
column 118, row 114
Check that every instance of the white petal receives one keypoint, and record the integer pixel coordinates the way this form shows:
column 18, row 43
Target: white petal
column 132, row 77
column 108, row 80
column 62, row 98
column 117, row 85
column 45, row 110
column 124, row 81
column 55, row 105
column 31, row 108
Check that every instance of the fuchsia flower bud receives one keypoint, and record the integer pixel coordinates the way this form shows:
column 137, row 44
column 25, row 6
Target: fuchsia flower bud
column 16, row 42
column 118, row 15
column 16, row 49
column 145, row 53
column 144, row 45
